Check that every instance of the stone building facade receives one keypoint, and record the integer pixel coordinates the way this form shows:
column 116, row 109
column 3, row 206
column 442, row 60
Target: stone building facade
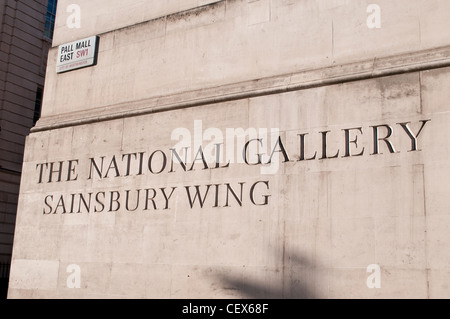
column 237, row 148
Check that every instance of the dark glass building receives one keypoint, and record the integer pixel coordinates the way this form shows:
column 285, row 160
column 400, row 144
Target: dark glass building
column 26, row 31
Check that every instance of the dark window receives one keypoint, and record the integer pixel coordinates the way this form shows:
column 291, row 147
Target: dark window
column 4, row 278
column 50, row 19
column 38, row 104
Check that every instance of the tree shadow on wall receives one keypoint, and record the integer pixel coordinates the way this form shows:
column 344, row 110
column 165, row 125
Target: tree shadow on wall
column 294, row 279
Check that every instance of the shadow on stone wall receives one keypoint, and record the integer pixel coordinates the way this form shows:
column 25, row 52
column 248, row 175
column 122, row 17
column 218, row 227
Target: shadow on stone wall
column 294, row 279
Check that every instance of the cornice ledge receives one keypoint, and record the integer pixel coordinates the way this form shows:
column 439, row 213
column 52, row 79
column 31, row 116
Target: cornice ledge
column 306, row 79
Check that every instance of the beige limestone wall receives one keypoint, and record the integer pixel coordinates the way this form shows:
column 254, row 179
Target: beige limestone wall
column 310, row 78
column 325, row 222
column 105, row 16
column 227, row 42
